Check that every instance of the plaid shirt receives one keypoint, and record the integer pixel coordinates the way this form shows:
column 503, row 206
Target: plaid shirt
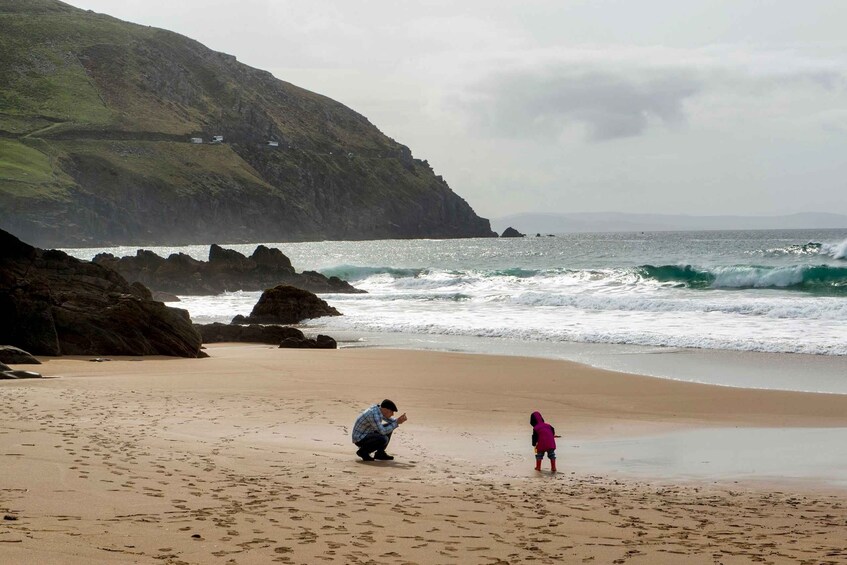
column 370, row 421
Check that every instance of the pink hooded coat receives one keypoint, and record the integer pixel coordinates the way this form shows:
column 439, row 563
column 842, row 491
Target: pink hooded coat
column 543, row 434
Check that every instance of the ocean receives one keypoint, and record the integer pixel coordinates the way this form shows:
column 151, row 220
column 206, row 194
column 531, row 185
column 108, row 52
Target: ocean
column 613, row 300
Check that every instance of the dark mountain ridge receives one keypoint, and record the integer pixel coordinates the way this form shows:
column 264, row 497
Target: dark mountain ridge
column 96, row 121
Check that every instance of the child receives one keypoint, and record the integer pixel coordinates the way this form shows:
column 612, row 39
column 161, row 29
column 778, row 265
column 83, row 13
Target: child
column 544, row 440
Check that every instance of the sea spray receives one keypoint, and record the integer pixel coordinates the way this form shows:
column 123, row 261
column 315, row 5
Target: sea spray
column 837, row 251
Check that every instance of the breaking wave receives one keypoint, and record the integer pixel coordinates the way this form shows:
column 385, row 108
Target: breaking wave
column 821, row 279
column 353, row 273
column 834, row 250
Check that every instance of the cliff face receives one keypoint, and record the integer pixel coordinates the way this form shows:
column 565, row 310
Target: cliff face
column 96, row 118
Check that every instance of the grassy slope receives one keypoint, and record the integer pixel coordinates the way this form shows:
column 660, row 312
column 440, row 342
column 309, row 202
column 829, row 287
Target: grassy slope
column 188, row 169
column 23, row 164
column 29, row 173
column 79, row 72
column 90, row 91
column 45, row 82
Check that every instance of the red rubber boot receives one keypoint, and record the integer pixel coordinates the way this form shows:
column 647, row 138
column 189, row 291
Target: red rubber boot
column 552, row 465
column 538, row 464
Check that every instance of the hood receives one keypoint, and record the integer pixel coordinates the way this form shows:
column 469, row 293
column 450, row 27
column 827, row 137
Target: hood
column 535, row 418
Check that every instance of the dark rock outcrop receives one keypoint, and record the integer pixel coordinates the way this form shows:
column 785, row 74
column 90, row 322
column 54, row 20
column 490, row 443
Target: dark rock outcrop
column 321, row 342
column 285, row 336
column 16, row 356
column 54, row 304
column 512, row 232
column 285, row 304
column 226, row 270
column 253, row 333
column 326, row 342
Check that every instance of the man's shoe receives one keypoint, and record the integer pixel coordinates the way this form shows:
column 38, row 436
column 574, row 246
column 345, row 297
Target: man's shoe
column 383, row 456
column 364, row 455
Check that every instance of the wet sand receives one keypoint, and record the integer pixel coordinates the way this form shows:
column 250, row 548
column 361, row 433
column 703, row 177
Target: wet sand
column 245, row 457
column 741, row 369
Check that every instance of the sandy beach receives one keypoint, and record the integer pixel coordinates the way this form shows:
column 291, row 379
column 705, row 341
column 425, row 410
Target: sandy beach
column 245, row 457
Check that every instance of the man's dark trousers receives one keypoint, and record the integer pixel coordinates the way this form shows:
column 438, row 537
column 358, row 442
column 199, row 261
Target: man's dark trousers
column 374, row 441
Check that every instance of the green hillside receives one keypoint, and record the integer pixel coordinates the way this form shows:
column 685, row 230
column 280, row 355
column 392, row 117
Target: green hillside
column 96, row 121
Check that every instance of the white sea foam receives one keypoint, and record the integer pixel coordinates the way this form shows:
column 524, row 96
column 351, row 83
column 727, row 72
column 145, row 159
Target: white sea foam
column 758, row 277
column 835, row 250
column 704, row 291
column 608, row 307
column 679, row 330
column 219, row 308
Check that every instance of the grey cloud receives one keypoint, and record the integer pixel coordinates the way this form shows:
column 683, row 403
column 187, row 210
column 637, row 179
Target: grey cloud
column 609, row 105
column 826, row 79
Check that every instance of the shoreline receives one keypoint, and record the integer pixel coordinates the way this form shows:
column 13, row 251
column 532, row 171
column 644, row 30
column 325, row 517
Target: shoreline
column 634, row 395
column 249, row 451
column 796, row 372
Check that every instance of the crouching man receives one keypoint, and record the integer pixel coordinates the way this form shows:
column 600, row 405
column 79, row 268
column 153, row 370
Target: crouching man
column 373, row 428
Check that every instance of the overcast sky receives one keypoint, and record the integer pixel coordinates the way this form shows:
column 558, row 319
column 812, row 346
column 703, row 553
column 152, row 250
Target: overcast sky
column 661, row 106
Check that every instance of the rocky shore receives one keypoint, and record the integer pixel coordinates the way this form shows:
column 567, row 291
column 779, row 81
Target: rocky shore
column 226, row 270
column 54, row 304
